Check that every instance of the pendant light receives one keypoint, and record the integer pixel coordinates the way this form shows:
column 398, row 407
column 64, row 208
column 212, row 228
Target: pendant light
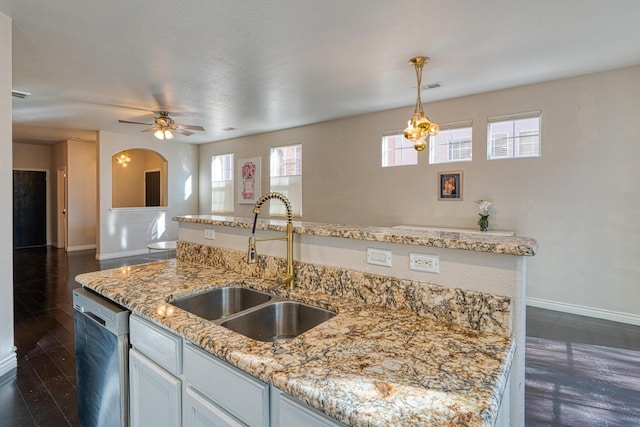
column 123, row 158
column 420, row 128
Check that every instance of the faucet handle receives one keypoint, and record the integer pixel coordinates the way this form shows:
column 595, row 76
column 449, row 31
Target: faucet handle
column 285, row 280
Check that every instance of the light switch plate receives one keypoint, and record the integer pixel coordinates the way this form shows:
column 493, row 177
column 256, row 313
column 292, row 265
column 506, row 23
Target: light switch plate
column 379, row 257
column 209, row 234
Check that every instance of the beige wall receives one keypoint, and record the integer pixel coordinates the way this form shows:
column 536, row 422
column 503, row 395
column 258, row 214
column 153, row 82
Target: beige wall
column 7, row 356
column 81, row 195
column 58, row 161
column 580, row 199
column 128, row 184
column 30, row 156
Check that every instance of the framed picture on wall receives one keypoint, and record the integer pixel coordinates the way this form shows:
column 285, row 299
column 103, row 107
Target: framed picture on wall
column 249, row 180
column 450, row 185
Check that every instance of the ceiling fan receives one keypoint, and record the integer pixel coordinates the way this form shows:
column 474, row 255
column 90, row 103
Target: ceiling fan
column 164, row 126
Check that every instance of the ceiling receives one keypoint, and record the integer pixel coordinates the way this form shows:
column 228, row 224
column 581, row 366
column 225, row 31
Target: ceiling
column 259, row 66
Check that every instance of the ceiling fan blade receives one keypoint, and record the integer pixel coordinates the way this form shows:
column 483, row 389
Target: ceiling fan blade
column 135, row 123
column 151, row 129
column 185, row 132
column 190, row 127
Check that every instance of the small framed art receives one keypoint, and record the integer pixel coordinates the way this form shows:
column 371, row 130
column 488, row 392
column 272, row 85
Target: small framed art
column 249, row 180
column 450, row 185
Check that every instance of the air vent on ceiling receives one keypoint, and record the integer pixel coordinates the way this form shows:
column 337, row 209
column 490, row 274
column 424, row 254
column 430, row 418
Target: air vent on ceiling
column 433, row 85
column 21, row 95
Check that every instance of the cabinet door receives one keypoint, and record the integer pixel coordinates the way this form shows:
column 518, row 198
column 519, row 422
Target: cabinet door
column 155, row 394
column 287, row 411
column 200, row 412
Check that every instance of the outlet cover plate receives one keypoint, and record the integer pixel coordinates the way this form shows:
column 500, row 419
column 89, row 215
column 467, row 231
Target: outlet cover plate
column 379, row 257
column 209, row 234
column 424, row 262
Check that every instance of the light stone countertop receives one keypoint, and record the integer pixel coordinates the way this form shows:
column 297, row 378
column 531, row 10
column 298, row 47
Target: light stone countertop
column 464, row 240
column 367, row 366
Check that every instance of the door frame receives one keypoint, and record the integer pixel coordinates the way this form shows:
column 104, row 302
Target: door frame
column 61, row 208
column 47, row 199
column 144, row 187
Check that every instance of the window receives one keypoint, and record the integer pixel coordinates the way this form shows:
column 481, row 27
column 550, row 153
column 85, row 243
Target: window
column 398, row 150
column 452, row 144
column 514, row 136
column 286, row 178
column 222, row 183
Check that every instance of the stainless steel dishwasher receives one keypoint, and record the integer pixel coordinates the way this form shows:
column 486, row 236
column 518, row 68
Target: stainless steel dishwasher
column 102, row 367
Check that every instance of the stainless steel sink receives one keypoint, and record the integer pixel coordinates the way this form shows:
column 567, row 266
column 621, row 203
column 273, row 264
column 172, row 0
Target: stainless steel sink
column 278, row 321
column 222, row 302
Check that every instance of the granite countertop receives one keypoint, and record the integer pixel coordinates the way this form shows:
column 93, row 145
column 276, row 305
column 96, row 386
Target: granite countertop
column 464, row 240
column 367, row 366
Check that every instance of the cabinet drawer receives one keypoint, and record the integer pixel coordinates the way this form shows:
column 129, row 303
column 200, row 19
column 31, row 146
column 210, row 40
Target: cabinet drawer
column 156, row 343
column 238, row 393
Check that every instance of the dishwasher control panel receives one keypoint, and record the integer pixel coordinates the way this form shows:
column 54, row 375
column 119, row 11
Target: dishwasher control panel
column 101, row 310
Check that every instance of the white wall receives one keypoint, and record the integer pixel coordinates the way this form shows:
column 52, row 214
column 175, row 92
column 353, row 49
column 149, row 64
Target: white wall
column 581, row 199
column 128, row 231
column 7, row 356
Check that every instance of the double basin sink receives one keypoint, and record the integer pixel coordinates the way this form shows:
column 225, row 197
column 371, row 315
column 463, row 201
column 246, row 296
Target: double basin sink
column 254, row 314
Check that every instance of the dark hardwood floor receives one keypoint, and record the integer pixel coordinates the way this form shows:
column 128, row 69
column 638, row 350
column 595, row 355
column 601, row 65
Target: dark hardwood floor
column 42, row 391
column 580, row 371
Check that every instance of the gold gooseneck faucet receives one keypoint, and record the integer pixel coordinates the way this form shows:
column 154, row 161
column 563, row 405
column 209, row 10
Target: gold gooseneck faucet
column 252, row 255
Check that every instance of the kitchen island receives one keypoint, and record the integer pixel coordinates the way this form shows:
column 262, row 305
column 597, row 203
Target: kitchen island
column 398, row 352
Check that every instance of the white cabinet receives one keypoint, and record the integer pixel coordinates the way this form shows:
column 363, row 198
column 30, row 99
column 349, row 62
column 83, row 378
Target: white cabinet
column 226, row 389
column 287, row 411
column 154, row 393
column 172, row 384
column 155, row 367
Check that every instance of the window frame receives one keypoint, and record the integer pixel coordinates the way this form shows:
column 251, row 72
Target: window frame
column 228, row 192
column 514, row 143
column 449, row 127
column 405, row 151
column 277, row 209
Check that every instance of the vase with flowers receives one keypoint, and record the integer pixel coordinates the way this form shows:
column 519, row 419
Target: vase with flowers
column 484, row 206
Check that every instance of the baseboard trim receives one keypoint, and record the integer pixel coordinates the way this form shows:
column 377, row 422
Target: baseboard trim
column 80, row 248
column 9, row 363
column 581, row 310
column 122, row 254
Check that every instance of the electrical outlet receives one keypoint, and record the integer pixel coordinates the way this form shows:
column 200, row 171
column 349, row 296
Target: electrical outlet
column 379, row 257
column 209, row 234
column 424, row 262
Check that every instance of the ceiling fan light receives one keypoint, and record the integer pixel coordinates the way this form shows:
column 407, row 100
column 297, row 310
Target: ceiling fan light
column 159, row 134
column 168, row 134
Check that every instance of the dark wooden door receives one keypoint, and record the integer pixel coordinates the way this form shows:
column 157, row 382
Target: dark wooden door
column 29, row 208
column 152, row 188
